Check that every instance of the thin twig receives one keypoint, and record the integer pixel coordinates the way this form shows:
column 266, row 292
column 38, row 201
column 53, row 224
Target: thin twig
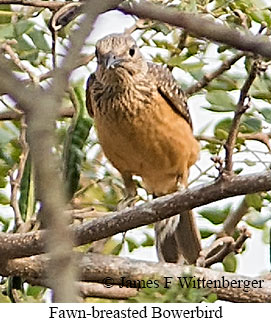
column 52, row 5
column 6, row 46
column 258, row 136
column 207, row 78
column 16, row 182
column 224, row 246
column 67, row 112
column 240, row 110
column 235, row 217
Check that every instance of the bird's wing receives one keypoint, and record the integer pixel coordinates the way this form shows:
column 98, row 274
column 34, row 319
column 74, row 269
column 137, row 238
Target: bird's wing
column 170, row 90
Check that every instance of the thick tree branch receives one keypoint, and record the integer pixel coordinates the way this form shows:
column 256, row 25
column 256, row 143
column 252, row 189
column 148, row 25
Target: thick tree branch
column 21, row 245
column 192, row 23
column 95, row 267
column 199, row 27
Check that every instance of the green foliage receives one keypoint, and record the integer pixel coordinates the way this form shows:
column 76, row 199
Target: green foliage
column 220, row 101
column 25, row 191
column 215, row 215
column 174, row 294
column 230, row 263
column 75, row 141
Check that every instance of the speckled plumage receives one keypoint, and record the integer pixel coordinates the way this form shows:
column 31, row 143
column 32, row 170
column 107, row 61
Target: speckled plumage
column 145, row 129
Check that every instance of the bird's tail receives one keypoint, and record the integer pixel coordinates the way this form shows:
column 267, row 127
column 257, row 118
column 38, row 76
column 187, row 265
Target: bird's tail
column 178, row 239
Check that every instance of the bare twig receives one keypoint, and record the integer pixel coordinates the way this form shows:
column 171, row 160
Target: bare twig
column 240, row 110
column 52, row 5
column 16, row 182
column 67, row 112
column 235, row 217
column 6, row 46
column 226, row 65
column 224, row 246
column 258, row 136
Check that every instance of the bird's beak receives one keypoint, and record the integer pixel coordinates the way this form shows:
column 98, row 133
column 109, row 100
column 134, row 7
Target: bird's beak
column 111, row 61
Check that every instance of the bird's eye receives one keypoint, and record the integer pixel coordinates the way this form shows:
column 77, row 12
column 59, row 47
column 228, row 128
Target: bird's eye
column 132, row 51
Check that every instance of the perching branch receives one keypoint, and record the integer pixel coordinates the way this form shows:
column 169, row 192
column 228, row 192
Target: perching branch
column 31, row 243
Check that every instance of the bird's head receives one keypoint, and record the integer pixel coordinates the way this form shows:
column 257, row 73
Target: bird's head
column 118, row 55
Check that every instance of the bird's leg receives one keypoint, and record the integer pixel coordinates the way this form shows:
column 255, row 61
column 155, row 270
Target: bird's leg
column 130, row 192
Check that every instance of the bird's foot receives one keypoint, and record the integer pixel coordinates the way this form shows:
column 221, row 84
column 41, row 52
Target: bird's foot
column 128, row 201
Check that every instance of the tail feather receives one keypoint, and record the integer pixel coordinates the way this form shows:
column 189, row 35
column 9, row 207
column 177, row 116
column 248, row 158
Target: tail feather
column 178, row 238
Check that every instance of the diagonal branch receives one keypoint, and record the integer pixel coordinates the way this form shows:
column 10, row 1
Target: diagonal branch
column 21, row 245
column 211, row 76
column 240, row 110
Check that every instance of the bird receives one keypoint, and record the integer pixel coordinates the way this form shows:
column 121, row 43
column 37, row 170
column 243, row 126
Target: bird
column 144, row 127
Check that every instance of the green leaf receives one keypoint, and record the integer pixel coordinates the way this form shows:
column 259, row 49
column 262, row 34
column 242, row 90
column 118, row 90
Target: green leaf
column 22, row 45
column 73, row 154
column 266, row 112
column 39, row 40
column 222, row 83
column 221, row 100
column 250, row 125
column 254, row 200
column 25, row 189
column 216, row 215
column 261, row 89
column 23, row 27
column 222, row 128
column 206, row 233
column 249, row 162
column 211, row 298
column 5, row 14
column 164, row 44
column 256, row 219
column 176, row 61
column 6, row 31
column 149, row 241
column 163, row 28
column 35, row 291
column 4, row 200
column 230, row 263
column 192, row 67
column 131, row 244
column 117, row 249
column 5, row 222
